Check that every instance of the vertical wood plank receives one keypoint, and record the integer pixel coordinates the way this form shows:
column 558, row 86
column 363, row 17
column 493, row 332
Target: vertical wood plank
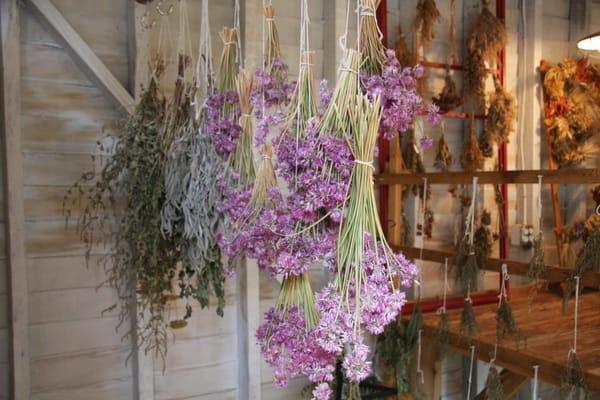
column 13, row 204
column 137, row 52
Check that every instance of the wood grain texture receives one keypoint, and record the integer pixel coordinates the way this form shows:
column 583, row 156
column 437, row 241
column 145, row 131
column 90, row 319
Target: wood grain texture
column 13, row 204
column 50, row 17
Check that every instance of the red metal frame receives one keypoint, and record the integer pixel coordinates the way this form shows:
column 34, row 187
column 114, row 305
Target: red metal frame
column 458, row 301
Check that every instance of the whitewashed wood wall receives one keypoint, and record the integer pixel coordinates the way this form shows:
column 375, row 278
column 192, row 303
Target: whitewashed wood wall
column 75, row 351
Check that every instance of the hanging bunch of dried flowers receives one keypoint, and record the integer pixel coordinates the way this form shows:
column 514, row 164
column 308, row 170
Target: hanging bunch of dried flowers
column 505, row 322
column 471, row 158
column 405, row 56
column 467, row 260
column 483, row 240
column 501, row 114
column 427, row 15
column 242, row 158
column 572, row 110
column 538, row 270
column 494, row 390
column 468, row 320
column 442, row 331
column 449, row 98
column 486, row 39
column 443, row 156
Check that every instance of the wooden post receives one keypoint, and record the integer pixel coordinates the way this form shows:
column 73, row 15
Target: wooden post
column 14, row 214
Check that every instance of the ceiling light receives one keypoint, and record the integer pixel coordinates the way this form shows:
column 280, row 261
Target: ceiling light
column 590, row 43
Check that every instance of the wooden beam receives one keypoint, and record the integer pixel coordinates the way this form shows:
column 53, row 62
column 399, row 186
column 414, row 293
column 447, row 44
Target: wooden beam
column 511, row 383
column 561, row 176
column 85, row 57
column 14, row 215
column 555, row 274
column 137, row 41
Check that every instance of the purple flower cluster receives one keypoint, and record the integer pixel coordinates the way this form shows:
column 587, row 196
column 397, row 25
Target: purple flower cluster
column 223, row 126
column 400, row 99
column 272, row 87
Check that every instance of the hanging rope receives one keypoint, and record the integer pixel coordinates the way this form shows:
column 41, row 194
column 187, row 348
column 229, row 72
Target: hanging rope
column 453, row 49
column 535, row 383
column 204, row 64
column 471, row 364
column 420, row 372
column 539, row 204
column 239, row 57
column 576, row 315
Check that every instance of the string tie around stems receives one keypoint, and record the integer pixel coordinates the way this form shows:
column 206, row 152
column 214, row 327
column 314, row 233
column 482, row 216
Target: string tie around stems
column 229, row 43
column 366, row 163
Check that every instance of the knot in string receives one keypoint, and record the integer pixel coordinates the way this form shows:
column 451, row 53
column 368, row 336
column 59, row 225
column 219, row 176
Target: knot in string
column 366, row 163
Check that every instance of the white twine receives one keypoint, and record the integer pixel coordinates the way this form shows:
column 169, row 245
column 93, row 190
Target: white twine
column 534, row 395
column 366, row 163
column 576, row 315
column 239, row 57
column 540, row 178
column 471, row 214
column 470, row 381
column 443, row 308
column 419, row 352
column 344, row 38
column 505, row 279
column 204, row 65
column 423, row 214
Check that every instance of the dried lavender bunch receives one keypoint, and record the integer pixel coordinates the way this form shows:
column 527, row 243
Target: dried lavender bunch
column 427, row 15
column 494, row 389
column 573, row 381
column 505, row 322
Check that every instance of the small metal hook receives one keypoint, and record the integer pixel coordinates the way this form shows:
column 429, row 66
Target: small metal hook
column 160, row 10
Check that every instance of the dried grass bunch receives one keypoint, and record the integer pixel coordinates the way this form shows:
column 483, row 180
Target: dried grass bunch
column 242, row 159
column 471, row 158
column 370, row 45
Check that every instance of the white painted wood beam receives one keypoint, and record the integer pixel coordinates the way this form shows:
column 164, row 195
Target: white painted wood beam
column 85, row 57
column 14, row 215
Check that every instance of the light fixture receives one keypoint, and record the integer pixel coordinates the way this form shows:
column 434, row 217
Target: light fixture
column 590, row 43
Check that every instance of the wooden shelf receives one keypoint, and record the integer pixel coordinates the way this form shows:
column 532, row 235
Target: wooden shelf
column 555, row 274
column 560, row 176
column 547, row 331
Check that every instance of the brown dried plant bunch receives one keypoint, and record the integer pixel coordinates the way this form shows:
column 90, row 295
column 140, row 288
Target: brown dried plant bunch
column 272, row 49
column 405, row 56
column 487, row 38
column 449, row 98
column 427, row 15
column 413, row 160
column 443, row 157
column 494, row 389
column 501, row 114
column 471, row 158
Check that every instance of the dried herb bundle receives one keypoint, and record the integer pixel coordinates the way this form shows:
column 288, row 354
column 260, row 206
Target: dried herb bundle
column 494, row 389
column 242, row 159
column 413, row 160
column 427, row 15
column 272, row 49
column 303, row 105
column 501, row 115
column 265, row 181
column 482, row 240
column 468, row 271
column 538, row 270
column 471, row 158
column 486, row 39
column 442, row 333
column 443, row 157
column 405, row 57
column 588, row 259
column 449, row 98
column 573, row 380
column 468, row 320
column 143, row 262
column 370, row 43
column 505, row 322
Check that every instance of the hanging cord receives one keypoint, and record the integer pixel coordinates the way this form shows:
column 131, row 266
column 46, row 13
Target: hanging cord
column 535, row 383
column 575, row 316
column 470, row 220
column 471, row 365
column 505, row 279
column 184, row 43
column 343, row 41
column 164, row 35
column 420, row 373
column 521, row 111
column 423, row 216
column 445, row 294
column 204, row 65
column 239, row 57
column 453, row 50
column 540, row 205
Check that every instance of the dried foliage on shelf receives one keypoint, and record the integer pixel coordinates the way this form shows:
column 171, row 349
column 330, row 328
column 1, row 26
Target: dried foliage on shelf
column 427, row 15
column 572, row 110
column 370, row 44
column 573, row 380
column 493, row 385
column 143, row 262
column 487, row 37
column 396, row 345
column 449, row 98
column 471, row 158
column 501, row 115
column 443, row 156
column 468, row 320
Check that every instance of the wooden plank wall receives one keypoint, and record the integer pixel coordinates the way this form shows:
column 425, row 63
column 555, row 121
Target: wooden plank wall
column 75, row 353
